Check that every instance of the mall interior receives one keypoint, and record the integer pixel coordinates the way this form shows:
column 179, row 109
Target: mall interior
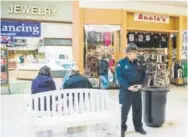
column 61, row 34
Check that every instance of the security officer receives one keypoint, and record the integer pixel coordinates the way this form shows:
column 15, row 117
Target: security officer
column 130, row 75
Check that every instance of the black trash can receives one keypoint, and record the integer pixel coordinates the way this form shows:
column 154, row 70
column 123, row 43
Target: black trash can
column 154, row 105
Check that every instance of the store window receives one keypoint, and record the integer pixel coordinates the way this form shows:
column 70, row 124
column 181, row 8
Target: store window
column 100, row 40
column 32, row 44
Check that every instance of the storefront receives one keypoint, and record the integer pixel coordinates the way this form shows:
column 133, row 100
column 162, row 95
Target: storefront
column 39, row 32
column 167, row 28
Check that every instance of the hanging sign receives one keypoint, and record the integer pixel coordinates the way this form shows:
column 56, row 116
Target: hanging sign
column 20, row 29
column 151, row 18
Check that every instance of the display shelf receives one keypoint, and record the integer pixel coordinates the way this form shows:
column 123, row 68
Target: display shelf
column 151, row 30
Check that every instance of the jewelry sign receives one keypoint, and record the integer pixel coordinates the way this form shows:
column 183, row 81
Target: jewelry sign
column 151, row 18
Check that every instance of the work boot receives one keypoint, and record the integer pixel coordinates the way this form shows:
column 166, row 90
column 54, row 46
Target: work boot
column 123, row 132
column 141, row 131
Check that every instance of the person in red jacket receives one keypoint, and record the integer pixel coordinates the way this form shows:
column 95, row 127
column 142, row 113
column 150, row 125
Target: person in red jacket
column 111, row 64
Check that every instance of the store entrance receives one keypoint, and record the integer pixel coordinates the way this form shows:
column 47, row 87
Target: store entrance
column 100, row 40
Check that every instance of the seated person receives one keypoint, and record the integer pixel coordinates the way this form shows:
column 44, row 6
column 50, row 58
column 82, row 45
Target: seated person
column 43, row 82
column 76, row 80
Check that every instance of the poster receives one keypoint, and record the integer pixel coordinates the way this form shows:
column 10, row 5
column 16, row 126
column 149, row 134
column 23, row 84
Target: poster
column 4, row 67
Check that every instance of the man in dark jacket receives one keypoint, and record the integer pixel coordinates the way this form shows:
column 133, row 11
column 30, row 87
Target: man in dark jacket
column 130, row 75
column 103, row 72
column 76, row 80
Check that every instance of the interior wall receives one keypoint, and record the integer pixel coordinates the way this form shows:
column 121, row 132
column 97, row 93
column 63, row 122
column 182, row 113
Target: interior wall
column 134, row 6
column 102, row 16
column 56, row 30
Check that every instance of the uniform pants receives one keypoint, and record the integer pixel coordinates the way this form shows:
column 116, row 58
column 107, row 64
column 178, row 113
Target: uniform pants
column 129, row 99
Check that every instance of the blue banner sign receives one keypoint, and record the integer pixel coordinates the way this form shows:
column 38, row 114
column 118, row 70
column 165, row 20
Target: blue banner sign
column 20, row 29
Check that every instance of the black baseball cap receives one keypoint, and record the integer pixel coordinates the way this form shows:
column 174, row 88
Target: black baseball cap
column 131, row 47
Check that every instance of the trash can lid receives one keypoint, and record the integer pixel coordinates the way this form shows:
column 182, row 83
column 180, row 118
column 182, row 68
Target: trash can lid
column 155, row 89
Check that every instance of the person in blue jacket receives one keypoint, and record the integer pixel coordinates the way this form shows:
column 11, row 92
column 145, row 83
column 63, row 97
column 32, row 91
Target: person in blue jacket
column 130, row 75
column 76, row 80
column 43, row 82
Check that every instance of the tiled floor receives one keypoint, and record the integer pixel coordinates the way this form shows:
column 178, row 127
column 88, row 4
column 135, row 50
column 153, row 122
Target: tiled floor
column 14, row 124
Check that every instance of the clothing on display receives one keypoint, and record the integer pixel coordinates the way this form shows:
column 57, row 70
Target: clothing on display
column 178, row 70
column 156, row 40
column 99, row 41
column 148, row 40
column 3, row 68
column 99, row 37
column 140, row 40
column 92, row 37
column 131, row 36
column 164, row 41
column 107, row 38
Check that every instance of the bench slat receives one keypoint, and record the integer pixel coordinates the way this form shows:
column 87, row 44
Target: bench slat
column 97, row 101
column 54, row 104
column 92, row 102
column 42, row 104
column 65, row 110
column 87, row 102
column 48, row 105
column 59, row 105
column 71, row 103
column 76, row 104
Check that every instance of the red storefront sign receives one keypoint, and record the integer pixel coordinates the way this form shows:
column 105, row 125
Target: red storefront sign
column 151, row 18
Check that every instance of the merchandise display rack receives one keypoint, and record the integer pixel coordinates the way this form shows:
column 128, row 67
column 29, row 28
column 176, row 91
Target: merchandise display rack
column 151, row 30
column 155, row 64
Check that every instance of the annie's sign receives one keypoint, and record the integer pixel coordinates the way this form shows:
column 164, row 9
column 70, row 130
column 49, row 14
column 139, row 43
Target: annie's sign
column 151, row 18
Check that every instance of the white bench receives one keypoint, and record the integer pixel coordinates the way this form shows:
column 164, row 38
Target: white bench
column 93, row 107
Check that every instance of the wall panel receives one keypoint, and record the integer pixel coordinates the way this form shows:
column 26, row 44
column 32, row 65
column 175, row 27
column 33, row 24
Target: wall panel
column 102, row 16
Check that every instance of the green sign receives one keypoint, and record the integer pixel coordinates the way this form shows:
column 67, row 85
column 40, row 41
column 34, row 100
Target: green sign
column 57, row 42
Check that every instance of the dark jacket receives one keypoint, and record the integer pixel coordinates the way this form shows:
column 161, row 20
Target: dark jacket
column 42, row 84
column 103, row 67
column 129, row 73
column 77, row 81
